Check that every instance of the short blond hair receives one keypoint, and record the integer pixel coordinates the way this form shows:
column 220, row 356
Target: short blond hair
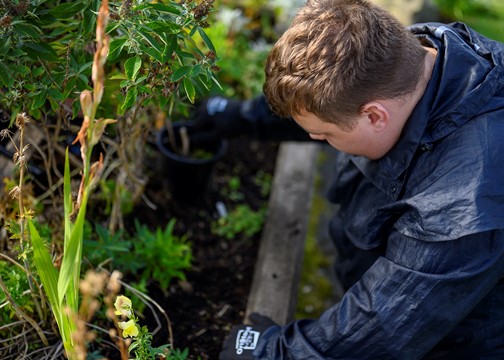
column 336, row 56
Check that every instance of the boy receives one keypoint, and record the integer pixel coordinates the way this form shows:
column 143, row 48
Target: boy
column 418, row 115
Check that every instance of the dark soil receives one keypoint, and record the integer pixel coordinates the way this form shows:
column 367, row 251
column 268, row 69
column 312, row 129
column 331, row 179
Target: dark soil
column 214, row 298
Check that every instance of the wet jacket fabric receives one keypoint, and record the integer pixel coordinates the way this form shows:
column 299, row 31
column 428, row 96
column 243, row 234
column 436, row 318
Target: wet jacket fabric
column 427, row 221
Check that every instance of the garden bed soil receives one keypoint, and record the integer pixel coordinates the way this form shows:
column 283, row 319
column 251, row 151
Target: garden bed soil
column 203, row 309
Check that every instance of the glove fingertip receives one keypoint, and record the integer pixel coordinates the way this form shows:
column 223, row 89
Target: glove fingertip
column 255, row 317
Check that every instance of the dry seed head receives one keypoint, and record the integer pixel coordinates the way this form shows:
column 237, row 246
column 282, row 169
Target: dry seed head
column 21, row 159
column 22, row 119
column 203, row 9
column 15, row 192
column 211, row 55
column 5, row 133
column 125, row 8
column 22, row 7
column 5, row 21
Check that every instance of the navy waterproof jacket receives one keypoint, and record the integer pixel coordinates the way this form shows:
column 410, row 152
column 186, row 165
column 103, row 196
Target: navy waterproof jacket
column 431, row 212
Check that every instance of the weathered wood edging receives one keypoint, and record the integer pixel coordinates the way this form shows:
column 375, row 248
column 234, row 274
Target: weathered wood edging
column 280, row 257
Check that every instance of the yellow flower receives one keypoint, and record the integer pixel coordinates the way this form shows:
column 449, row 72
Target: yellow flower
column 123, row 306
column 129, row 328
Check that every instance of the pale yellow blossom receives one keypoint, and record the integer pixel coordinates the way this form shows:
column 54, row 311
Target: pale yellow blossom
column 129, row 328
column 123, row 306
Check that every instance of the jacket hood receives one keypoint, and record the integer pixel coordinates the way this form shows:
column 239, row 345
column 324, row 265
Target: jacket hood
column 457, row 94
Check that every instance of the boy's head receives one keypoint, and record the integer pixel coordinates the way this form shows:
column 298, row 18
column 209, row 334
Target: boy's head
column 339, row 55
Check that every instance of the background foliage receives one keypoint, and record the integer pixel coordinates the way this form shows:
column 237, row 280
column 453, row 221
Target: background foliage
column 485, row 16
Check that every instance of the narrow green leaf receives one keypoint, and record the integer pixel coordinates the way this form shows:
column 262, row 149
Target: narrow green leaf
column 185, row 54
column 111, row 26
column 68, row 10
column 40, row 50
column 67, row 200
column 68, row 280
column 214, row 79
column 39, row 99
column 5, row 76
column 118, row 77
column 55, row 106
column 56, row 94
column 189, row 89
column 83, row 68
column 155, row 54
column 132, row 66
column 89, row 21
column 160, row 7
column 115, row 48
column 160, row 27
column 38, row 71
column 27, row 29
column 204, row 82
column 180, row 73
column 150, row 40
column 131, row 96
column 21, row 69
column 35, row 114
column 169, row 48
column 47, row 272
column 14, row 52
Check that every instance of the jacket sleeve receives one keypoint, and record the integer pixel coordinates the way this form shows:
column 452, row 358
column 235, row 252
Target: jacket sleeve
column 267, row 126
column 403, row 305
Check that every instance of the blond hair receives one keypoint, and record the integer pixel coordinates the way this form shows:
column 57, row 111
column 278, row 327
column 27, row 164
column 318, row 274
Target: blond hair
column 336, row 56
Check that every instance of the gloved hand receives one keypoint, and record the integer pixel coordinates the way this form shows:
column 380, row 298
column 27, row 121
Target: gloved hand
column 217, row 118
column 242, row 339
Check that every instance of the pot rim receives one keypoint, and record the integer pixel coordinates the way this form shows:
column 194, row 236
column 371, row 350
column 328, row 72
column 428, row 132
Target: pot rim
column 160, row 135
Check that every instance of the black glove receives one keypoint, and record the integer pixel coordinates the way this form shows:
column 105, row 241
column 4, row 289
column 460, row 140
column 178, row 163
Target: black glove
column 217, row 118
column 243, row 339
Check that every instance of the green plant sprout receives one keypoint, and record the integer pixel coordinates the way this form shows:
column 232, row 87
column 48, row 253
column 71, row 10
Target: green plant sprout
column 241, row 221
column 233, row 189
column 264, row 181
column 171, row 254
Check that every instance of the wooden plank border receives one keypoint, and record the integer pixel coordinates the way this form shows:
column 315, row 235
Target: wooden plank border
column 280, row 256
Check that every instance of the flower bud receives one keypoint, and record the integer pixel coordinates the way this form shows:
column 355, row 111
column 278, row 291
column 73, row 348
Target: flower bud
column 86, row 100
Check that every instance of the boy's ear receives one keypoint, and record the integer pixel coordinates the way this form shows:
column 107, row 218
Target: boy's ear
column 377, row 114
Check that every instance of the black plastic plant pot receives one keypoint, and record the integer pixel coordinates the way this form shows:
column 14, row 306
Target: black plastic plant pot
column 188, row 176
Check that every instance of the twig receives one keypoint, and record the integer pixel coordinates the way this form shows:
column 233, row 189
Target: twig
column 185, row 141
column 21, row 159
column 148, row 202
column 171, row 135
